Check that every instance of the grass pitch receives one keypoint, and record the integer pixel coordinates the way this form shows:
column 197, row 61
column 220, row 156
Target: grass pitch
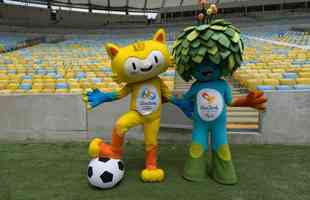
column 57, row 171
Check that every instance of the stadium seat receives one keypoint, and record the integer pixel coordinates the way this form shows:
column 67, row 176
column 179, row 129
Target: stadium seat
column 305, row 81
column 265, row 87
column 270, row 81
column 287, row 82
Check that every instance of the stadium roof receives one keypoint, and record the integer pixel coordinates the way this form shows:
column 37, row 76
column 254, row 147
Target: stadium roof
column 119, row 5
column 143, row 5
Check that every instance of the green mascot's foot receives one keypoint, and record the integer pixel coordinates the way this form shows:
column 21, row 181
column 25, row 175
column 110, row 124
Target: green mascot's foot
column 223, row 170
column 196, row 164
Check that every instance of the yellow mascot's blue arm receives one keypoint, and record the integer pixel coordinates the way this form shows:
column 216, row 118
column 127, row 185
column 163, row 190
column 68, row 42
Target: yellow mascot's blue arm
column 96, row 97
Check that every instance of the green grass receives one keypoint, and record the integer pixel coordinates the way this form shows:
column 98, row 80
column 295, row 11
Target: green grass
column 32, row 171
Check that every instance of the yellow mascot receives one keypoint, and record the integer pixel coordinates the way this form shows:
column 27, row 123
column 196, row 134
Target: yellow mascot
column 138, row 65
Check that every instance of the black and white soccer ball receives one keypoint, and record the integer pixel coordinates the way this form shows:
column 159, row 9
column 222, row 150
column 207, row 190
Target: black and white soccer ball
column 105, row 172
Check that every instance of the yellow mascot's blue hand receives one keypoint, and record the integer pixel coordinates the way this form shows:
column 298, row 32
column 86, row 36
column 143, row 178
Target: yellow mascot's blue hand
column 96, row 97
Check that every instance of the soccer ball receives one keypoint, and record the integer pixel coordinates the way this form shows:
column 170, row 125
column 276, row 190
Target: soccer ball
column 105, row 172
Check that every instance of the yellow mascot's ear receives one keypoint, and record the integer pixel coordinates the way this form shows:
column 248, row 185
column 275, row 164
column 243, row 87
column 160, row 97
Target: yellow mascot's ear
column 112, row 49
column 160, row 36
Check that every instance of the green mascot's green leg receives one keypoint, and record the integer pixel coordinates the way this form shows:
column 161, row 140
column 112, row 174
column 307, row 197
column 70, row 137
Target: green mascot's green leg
column 223, row 170
column 196, row 165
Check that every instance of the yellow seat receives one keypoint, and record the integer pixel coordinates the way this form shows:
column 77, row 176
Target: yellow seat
column 275, row 75
column 287, row 82
column 4, row 78
column 86, row 84
column 3, row 85
column 304, row 74
column 76, row 90
column 49, row 85
column 74, row 85
column 252, row 83
column 13, row 86
column 5, row 91
column 48, row 90
column 303, row 81
column 278, row 70
column 270, row 81
column 69, row 75
column 62, row 91
column 35, row 90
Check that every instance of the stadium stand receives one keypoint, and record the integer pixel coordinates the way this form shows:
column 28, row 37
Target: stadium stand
column 72, row 66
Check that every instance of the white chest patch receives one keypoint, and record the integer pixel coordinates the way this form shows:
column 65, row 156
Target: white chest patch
column 209, row 104
column 147, row 100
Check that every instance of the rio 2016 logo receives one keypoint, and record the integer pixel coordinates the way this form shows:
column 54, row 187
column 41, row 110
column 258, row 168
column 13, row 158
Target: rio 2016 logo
column 208, row 97
column 148, row 94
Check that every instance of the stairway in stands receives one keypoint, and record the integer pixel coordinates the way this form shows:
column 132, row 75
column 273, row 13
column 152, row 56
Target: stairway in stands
column 240, row 119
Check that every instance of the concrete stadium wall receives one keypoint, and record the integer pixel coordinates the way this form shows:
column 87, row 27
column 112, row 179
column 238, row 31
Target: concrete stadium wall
column 42, row 117
column 287, row 119
column 64, row 117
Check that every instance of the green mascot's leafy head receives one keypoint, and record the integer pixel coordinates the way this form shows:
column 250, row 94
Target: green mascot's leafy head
column 218, row 43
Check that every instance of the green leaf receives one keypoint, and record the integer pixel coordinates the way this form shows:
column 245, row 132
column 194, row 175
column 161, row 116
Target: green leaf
column 202, row 51
column 202, row 27
column 176, row 43
column 185, row 44
column 193, row 51
column 241, row 47
column 189, row 28
column 218, row 28
column 225, row 54
column 234, row 47
column 231, row 62
column 235, row 28
column 184, row 51
column 182, row 34
column 230, row 32
column 213, row 50
column 236, row 38
column 217, row 36
column 225, row 71
column 207, row 35
column 195, row 44
column 186, row 59
column 211, row 43
column 216, row 58
column 221, row 22
column 238, row 59
column 193, row 35
column 224, row 41
column 180, row 68
column 178, row 50
column 177, row 60
column 197, row 59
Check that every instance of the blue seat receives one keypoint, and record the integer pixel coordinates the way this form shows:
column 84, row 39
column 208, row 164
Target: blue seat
column 61, row 85
column 265, row 87
column 302, row 87
column 284, row 87
column 27, row 77
column 97, row 80
column 80, row 75
column 12, row 71
column 25, row 86
column 290, row 75
column 41, row 71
